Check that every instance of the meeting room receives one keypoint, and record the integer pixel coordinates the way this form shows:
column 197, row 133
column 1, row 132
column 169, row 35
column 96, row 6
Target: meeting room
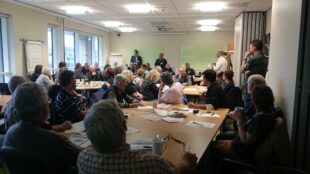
column 154, row 87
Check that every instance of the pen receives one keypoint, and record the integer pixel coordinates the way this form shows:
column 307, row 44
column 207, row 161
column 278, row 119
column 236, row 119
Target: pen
column 212, row 114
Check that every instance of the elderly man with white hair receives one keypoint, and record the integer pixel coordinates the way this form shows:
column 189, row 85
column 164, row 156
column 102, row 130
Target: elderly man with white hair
column 105, row 126
column 53, row 151
column 45, row 79
column 118, row 95
column 183, row 78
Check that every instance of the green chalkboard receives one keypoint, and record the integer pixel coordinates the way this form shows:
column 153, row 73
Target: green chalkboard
column 199, row 56
column 149, row 53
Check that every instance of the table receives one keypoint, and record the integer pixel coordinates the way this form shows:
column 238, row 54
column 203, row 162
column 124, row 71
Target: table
column 197, row 137
column 194, row 90
column 3, row 100
column 92, row 85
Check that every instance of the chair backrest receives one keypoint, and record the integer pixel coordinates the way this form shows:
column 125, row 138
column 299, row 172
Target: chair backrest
column 4, row 89
column 275, row 150
column 235, row 167
column 284, row 170
column 19, row 162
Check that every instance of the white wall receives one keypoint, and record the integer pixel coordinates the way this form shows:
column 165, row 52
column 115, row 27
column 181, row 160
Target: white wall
column 30, row 23
column 285, row 26
column 171, row 43
column 268, row 21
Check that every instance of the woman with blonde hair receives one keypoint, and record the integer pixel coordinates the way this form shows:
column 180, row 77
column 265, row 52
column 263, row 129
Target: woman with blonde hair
column 131, row 89
column 138, row 81
column 45, row 79
column 149, row 89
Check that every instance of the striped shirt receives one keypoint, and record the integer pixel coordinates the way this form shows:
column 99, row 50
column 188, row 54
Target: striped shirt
column 68, row 106
column 123, row 161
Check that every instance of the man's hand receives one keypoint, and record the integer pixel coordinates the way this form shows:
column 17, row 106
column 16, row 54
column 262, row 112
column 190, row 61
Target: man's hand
column 66, row 125
column 191, row 105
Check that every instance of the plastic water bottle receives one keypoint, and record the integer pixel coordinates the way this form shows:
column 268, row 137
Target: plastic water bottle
column 158, row 145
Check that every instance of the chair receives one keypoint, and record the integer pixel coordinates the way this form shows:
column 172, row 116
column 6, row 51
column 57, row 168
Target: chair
column 19, row 162
column 235, row 167
column 275, row 150
column 4, row 89
column 285, row 170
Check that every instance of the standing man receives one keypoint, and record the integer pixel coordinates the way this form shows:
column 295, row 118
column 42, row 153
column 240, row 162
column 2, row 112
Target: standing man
column 221, row 63
column 189, row 71
column 255, row 62
column 135, row 61
column 161, row 61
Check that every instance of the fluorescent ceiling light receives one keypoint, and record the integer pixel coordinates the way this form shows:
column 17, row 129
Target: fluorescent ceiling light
column 140, row 8
column 208, row 28
column 112, row 23
column 127, row 29
column 210, row 6
column 75, row 10
column 213, row 22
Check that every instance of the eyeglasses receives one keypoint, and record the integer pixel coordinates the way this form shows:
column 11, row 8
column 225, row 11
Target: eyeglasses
column 170, row 136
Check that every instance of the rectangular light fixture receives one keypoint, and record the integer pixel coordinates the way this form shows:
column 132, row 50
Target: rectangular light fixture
column 212, row 22
column 77, row 10
column 214, row 6
column 112, row 23
column 140, row 8
column 127, row 29
column 208, row 28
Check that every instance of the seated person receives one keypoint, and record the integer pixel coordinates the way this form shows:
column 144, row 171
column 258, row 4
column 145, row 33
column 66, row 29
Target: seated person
column 69, row 104
column 78, row 71
column 10, row 118
column 45, row 79
column 61, row 67
column 183, row 78
column 108, row 75
column 215, row 94
column 159, row 69
column 131, row 88
column 169, row 69
column 117, row 93
column 220, row 78
column 253, row 81
column 250, row 133
column 105, row 126
column 229, row 89
column 55, row 152
column 138, row 81
column 174, row 94
column 149, row 89
column 94, row 74
column 37, row 72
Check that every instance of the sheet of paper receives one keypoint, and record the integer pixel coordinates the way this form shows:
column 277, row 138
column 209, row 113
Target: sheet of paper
column 78, row 139
column 142, row 144
column 131, row 130
column 162, row 113
column 173, row 120
column 209, row 115
column 145, row 107
column 163, row 105
column 76, row 128
column 201, row 123
column 152, row 117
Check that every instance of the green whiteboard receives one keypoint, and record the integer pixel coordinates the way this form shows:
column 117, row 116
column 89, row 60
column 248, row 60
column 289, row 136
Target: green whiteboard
column 149, row 53
column 199, row 56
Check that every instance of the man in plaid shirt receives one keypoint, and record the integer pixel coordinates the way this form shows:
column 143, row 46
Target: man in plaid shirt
column 105, row 126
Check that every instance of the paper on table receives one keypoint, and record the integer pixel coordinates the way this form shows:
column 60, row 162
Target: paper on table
column 76, row 128
column 162, row 113
column 163, row 105
column 190, row 89
column 145, row 107
column 78, row 139
column 152, row 117
column 201, row 123
column 131, row 130
column 209, row 115
column 142, row 144
column 173, row 120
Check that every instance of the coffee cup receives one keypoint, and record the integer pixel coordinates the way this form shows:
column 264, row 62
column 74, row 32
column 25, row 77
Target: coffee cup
column 209, row 108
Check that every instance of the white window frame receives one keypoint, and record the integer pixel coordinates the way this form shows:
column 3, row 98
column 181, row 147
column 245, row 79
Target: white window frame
column 5, row 56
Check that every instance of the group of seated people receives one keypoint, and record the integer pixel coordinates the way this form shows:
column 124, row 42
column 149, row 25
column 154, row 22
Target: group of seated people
column 28, row 130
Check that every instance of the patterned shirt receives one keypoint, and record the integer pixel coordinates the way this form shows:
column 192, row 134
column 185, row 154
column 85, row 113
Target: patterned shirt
column 123, row 161
column 68, row 106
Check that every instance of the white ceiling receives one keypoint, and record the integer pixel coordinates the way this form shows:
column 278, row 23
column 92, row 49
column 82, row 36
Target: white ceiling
column 178, row 14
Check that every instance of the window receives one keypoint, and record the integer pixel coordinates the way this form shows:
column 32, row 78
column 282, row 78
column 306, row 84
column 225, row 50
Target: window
column 69, row 49
column 52, row 54
column 82, row 48
column 4, row 50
